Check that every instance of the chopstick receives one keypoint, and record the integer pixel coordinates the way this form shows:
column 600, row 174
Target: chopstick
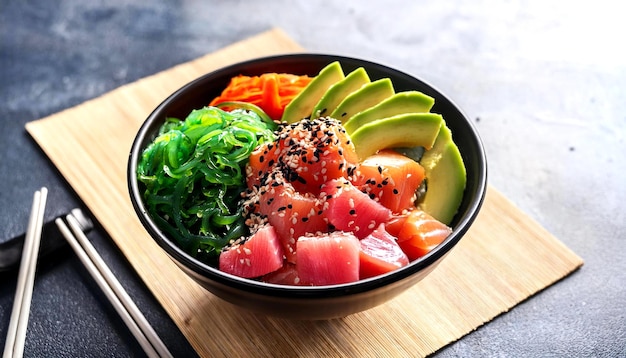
column 14, row 346
column 113, row 290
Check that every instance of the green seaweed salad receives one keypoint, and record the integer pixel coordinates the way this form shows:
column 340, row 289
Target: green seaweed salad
column 194, row 173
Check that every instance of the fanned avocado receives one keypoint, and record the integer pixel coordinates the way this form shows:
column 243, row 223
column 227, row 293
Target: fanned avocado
column 404, row 130
column 302, row 105
column 365, row 97
column 445, row 178
column 337, row 92
column 399, row 103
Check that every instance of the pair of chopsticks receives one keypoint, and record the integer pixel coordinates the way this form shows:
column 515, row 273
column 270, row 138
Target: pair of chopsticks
column 14, row 346
column 113, row 290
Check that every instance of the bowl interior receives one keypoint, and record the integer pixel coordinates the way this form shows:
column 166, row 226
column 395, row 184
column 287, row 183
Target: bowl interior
column 199, row 92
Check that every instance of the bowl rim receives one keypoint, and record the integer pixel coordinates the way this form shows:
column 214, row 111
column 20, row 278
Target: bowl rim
column 308, row 292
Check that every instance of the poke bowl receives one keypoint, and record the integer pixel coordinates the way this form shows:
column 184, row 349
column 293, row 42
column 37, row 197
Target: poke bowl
column 450, row 191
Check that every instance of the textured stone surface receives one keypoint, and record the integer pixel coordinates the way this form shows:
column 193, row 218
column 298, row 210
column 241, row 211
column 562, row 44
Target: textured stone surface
column 545, row 82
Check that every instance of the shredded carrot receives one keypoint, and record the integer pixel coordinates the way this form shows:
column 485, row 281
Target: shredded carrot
column 270, row 91
column 271, row 99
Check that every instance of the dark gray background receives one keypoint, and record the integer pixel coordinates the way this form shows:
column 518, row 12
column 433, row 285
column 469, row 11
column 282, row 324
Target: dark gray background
column 545, row 82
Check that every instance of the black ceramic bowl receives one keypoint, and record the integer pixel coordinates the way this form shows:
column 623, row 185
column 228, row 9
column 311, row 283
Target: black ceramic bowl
column 299, row 302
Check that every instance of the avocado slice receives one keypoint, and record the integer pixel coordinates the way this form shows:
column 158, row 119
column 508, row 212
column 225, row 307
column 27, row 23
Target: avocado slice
column 445, row 178
column 302, row 105
column 403, row 130
column 399, row 103
column 365, row 97
column 337, row 92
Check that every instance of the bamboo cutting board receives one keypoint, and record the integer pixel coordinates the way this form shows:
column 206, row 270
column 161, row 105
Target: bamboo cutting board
column 504, row 258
